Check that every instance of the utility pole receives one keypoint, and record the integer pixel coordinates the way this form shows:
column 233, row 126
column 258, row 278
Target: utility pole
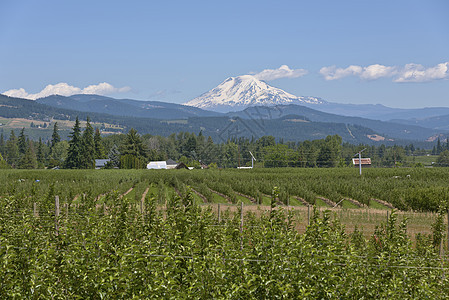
column 360, row 160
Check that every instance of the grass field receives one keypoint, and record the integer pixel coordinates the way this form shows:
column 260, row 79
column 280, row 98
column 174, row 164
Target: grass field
column 426, row 160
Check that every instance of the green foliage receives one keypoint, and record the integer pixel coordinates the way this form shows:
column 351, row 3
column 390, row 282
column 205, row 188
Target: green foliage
column 12, row 150
column 21, row 142
column 105, row 246
column 438, row 229
column 88, row 147
column 114, row 156
column 443, row 159
column 28, row 160
column 58, row 154
column 100, row 152
column 74, row 155
column 3, row 163
column 133, row 152
column 55, row 138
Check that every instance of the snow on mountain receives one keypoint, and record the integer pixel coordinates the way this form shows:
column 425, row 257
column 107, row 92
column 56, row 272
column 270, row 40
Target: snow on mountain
column 242, row 91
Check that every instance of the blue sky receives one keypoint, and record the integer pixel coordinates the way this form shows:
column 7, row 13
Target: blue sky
column 391, row 52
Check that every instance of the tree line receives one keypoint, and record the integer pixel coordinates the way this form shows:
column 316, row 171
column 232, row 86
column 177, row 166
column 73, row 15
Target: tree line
column 133, row 150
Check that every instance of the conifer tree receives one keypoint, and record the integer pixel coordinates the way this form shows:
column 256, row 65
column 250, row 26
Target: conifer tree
column 114, row 156
column 88, row 148
column 55, row 138
column 21, row 142
column 12, row 150
column 74, row 155
column 28, row 160
column 133, row 152
column 3, row 163
column 99, row 148
column 439, row 146
column 40, row 153
column 2, row 143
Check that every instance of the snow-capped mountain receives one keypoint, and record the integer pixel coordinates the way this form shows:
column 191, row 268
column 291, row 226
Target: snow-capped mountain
column 236, row 93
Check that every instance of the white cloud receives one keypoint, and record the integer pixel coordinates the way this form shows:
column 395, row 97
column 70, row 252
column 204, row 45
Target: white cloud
column 418, row 73
column 333, row 73
column 104, row 89
column 377, row 71
column 65, row 89
column 408, row 73
column 282, row 72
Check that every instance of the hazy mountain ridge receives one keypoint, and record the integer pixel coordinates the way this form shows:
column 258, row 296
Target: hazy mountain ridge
column 379, row 111
column 386, row 129
column 435, row 122
column 290, row 122
column 125, row 107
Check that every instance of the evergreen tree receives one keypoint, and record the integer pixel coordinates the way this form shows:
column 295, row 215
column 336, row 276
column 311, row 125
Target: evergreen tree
column 3, row 163
column 133, row 154
column 114, row 156
column 2, row 143
column 330, row 152
column 439, row 146
column 99, row 148
column 443, row 159
column 12, row 150
column 40, row 156
column 74, row 155
column 58, row 154
column 55, row 138
column 28, row 160
column 21, row 142
column 434, row 150
column 88, row 147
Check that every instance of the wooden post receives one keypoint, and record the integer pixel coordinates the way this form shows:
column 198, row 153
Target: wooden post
column 241, row 216
column 57, row 215
column 448, row 229
column 141, row 205
column 308, row 215
column 241, row 225
column 35, row 209
column 66, row 210
column 218, row 211
column 104, row 208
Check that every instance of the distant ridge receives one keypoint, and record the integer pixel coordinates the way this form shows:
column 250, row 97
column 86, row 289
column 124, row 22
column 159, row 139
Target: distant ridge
column 125, row 107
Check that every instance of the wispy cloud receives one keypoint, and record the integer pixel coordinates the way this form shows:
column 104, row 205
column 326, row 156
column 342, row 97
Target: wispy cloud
column 65, row 89
column 418, row 73
column 333, row 73
column 282, row 72
column 377, row 71
column 408, row 73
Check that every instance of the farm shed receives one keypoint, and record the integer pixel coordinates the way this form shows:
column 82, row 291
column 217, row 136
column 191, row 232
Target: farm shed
column 101, row 163
column 366, row 162
column 182, row 166
column 157, row 165
column 171, row 164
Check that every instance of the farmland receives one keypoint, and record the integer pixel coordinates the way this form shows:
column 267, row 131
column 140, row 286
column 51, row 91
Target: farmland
column 223, row 233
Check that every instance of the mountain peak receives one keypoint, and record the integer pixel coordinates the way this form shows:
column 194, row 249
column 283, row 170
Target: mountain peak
column 244, row 91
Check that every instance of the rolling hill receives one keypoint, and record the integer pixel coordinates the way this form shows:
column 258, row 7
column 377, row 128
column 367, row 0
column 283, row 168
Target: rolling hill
column 125, row 107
